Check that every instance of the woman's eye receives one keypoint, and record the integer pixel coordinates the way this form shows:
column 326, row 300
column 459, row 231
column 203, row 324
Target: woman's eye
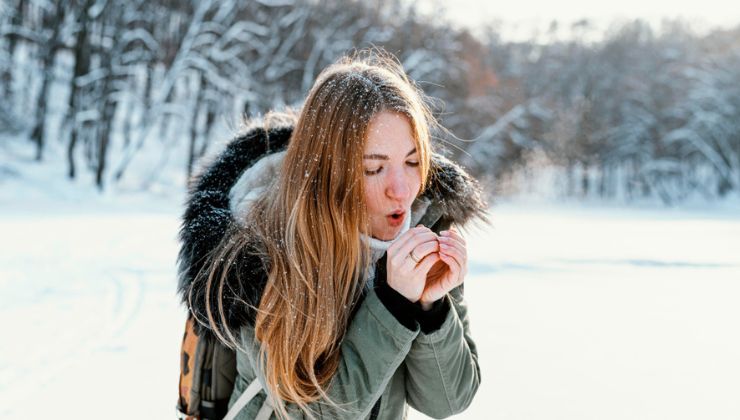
column 373, row 171
column 413, row 163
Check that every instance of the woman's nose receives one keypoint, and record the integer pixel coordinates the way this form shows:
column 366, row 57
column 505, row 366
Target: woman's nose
column 397, row 186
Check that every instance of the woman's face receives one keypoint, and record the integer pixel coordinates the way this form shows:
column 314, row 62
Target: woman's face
column 392, row 174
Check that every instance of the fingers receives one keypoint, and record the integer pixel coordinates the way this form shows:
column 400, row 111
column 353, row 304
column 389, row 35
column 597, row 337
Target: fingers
column 452, row 247
column 454, row 253
column 406, row 236
column 411, row 276
column 421, row 241
column 424, row 242
column 451, row 241
column 453, row 235
column 426, row 264
column 424, row 249
column 407, row 275
column 455, row 267
column 419, row 253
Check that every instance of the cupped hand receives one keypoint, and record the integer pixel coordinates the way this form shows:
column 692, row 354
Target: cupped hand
column 449, row 272
column 409, row 259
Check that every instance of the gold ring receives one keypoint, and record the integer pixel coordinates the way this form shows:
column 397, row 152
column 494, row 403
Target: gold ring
column 413, row 257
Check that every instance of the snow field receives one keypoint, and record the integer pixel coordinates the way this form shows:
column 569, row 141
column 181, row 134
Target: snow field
column 579, row 312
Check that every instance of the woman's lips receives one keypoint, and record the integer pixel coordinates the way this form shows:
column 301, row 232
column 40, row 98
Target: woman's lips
column 396, row 219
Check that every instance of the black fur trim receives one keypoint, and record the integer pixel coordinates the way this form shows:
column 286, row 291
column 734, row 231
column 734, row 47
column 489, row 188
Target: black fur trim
column 207, row 219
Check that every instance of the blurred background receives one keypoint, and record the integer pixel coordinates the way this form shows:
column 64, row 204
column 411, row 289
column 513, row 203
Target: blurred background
column 607, row 137
column 570, row 99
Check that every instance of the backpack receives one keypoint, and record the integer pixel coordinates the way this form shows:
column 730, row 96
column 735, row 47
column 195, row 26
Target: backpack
column 207, row 375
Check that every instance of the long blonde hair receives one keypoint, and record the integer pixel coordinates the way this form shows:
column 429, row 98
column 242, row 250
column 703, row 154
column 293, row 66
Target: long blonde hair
column 309, row 225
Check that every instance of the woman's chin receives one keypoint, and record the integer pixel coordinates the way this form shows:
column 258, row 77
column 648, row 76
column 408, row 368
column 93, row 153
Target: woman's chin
column 385, row 238
column 387, row 234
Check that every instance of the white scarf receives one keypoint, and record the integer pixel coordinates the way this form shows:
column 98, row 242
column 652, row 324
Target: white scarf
column 378, row 248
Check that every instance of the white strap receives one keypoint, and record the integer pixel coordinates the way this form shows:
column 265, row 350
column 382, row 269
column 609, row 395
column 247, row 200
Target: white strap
column 243, row 399
column 265, row 412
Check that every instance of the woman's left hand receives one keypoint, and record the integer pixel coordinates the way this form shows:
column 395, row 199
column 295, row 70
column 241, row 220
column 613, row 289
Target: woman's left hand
column 450, row 271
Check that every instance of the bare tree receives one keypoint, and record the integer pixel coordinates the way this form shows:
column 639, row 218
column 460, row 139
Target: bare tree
column 53, row 21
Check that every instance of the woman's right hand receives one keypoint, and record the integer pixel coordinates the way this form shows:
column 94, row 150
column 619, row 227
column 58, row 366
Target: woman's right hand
column 406, row 276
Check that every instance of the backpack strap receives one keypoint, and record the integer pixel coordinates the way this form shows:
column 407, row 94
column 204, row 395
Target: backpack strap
column 265, row 411
column 207, row 375
column 188, row 392
column 244, row 399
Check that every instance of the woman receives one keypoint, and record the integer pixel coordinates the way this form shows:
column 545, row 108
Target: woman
column 299, row 253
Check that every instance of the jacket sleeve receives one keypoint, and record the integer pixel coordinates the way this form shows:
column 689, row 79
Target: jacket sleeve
column 442, row 372
column 374, row 347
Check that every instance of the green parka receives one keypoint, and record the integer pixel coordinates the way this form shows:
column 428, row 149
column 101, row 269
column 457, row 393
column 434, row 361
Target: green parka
column 437, row 373
column 390, row 357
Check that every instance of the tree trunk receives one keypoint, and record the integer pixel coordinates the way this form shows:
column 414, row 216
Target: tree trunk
column 37, row 135
column 7, row 78
column 48, row 53
column 107, row 126
column 585, row 185
column 194, row 124
column 210, row 118
column 107, row 94
column 81, row 67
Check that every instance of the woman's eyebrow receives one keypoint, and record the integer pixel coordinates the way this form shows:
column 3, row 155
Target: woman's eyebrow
column 378, row 156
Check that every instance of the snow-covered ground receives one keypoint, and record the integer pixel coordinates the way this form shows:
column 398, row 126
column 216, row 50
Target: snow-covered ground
column 579, row 312
column 596, row 313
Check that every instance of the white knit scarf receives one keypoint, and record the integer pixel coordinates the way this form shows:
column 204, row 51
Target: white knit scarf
column 378, row 248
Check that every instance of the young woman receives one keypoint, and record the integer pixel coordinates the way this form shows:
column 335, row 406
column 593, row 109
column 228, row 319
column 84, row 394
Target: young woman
column 320, row 247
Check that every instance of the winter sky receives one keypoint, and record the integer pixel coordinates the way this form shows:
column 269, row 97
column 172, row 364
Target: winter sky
column 519, row 18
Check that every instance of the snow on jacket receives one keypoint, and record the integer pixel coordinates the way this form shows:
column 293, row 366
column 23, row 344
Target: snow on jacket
column 389, row 357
